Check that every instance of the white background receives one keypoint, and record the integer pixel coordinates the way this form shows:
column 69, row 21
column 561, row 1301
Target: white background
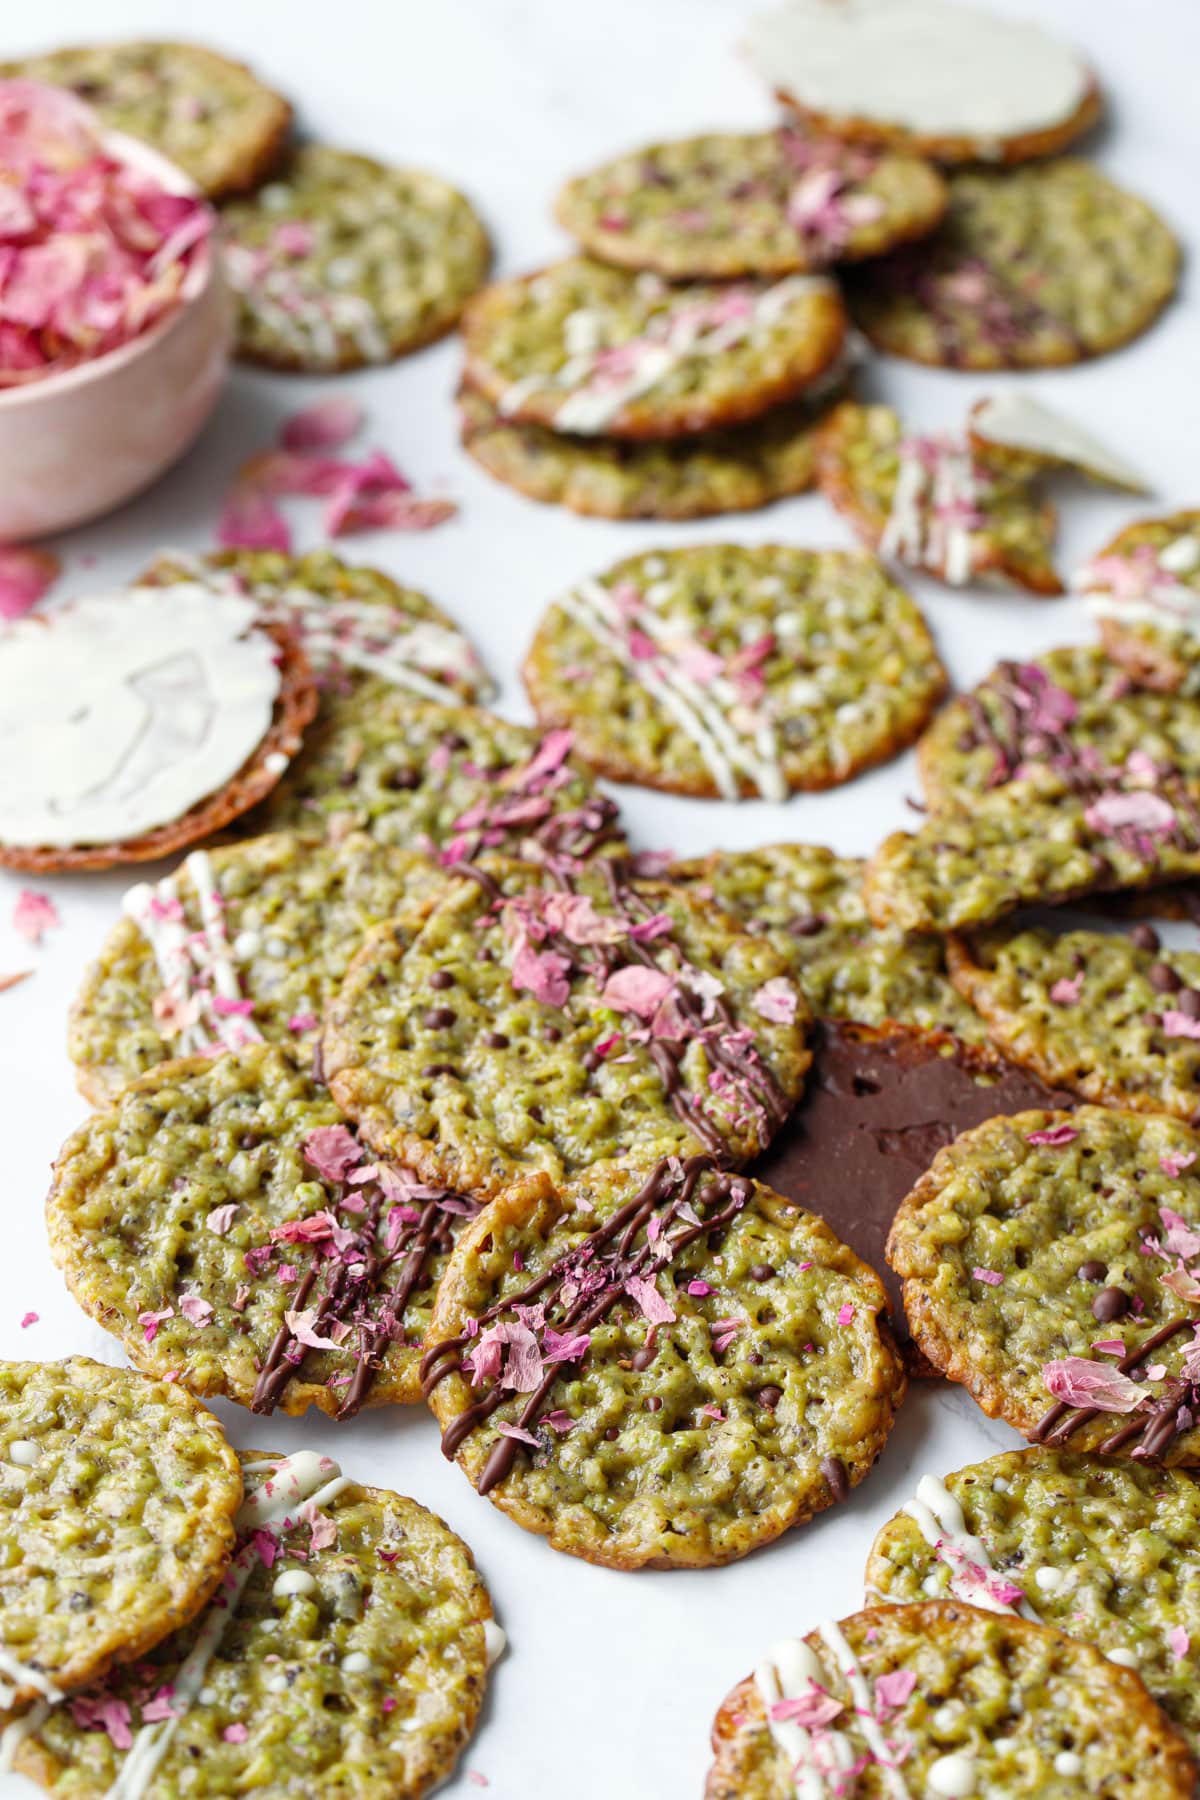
column 612, row 1679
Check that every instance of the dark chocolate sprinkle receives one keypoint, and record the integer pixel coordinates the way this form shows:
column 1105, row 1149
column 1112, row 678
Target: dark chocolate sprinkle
column 1144, row 937
column 441, row 978
column 834, row 1471
column 1163, row 978
column 438, row 1018
column 770, row 1396
column 1093, row 1271
column 1110, row 1304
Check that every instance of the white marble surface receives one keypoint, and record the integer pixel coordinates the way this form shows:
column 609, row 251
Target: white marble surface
column 612, row 1679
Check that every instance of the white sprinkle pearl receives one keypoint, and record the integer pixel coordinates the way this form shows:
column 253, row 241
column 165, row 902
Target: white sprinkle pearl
column 1126, row 1658
column 206, row 1696
column 23, row 1451
column 494, row 1642
column 277, row 1684
column 294, row 1581
column 357, row 1663
column 246, row 944
column 1048, row 1579
column 1067, row 1763
column 952, row 1776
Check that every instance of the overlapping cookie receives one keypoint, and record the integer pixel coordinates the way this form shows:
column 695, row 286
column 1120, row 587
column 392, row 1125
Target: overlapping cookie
column 211, row 116
column 1030, row 268
column 808, row 903
column 1062, row 1539
column 544, row 1020
column 224, row 1220
column 347, row 1653
column 1047, row 1265
column 138, row 722
column 117, row 1501
column 724, row 671
column 929, row 77
column 245, row 943
column 749, row 203
column 1144, row 588
column 659, row 1367
column 592, row 350
column 342, row 261
column 947, row 1701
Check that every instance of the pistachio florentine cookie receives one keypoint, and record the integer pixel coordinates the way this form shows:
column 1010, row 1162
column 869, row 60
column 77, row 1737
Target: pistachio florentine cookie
column 116, row 1516
column 354, row 623
column 1071, row 711
column 546, row 1020
column 445, row 780
column 224, row 1221
column 736, row 470
column 1101, row 1549
column 245, row 942
column 341, row 261
column 593, row 350
column 211, row 116
column 1115, row 1018
column 1047, row 1266
column 1041, row 839
column 726, row 671
column 346, row 1655
column 661, row 1367
column 1030, row 268
column 934, row 504
column 945, row 1701
column 808, row 903
column 1144, row 589
column 749, row 203
column 931, row 77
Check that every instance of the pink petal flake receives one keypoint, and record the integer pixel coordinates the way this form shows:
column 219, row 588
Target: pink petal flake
column 776, row 1000
column 1178, row 1642
column 235, row 1734
column 812, row 1710
column 322, row 1533
column 637, row 990
column 1118, row 811
column 301, row 1324
column 250, row 520
column 1174, row 1162
column 654, row 1306
column 1054, row 1136
column 150, row 1322
column 33, row 915
column 25, row 575
column 1179, row 1024
column 1066, row 990
column 893, row 1689
column 1083, row 1383
column 518, row 1434
column 989, row 1276
column 1179, row 1238
column 332, row 1150
column 326, row 425
column 542, row 973
column 196, row 1311
column 31, row 1318
column 845, row 1314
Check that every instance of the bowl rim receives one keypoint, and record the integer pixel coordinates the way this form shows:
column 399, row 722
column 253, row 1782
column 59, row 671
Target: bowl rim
column 197, row 283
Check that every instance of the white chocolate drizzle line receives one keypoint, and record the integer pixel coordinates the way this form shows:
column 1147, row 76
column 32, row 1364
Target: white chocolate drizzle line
column 21, row 1675
column 864, row 1707
column 181, row 954
column 696, row 710
column 303, row 1477
column 670, row 339
column 1153, row 592
column 17, row 1730
column 303, row 315
column 790, row 1670
column 925, row 527
column 940, row 1520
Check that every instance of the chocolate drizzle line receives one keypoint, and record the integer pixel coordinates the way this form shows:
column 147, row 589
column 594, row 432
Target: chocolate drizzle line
column 359, row 1299
column 1156, row 1427
column 597, row 1283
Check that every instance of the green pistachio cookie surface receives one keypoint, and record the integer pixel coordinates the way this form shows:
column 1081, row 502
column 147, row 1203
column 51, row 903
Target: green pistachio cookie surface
column 1144, row 589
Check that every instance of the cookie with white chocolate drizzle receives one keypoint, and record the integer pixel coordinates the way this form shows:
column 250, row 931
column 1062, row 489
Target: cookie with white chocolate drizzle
column 659, row 1367
column 942, row 1701
column 546, row 1018
column 347, row 1652
column 727, row 671
column 1144, row 591
column 227, row 1224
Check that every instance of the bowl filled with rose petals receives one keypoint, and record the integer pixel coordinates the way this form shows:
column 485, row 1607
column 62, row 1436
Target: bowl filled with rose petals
column 115, row 327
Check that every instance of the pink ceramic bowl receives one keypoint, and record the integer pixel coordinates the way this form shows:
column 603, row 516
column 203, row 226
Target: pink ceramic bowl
column 75, row 445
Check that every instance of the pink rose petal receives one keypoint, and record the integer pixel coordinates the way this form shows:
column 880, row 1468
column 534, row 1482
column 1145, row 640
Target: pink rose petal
column 250, row 520
column 326, row 425
column 25, row 575
column 33, row 915
column 1179, row 1642
column 1180, row 1024
column 776, row 1000
column 333, row 1151
column 1174, row 1162
column 1066, row 990
column 653, row 1305
column 1083, row 1383
column 637, row 990
column 196, row 1311
column 1054, row 1135
column 990, row 1276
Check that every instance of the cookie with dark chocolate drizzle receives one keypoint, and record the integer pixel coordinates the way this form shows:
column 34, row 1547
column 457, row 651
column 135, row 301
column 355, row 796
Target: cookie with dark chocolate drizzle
column 661, row 1367
column 550, row 1018
column 228, row 1226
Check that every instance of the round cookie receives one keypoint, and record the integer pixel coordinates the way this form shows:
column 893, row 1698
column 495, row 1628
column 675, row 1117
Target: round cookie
column 1043, row 839
column 749, row 203
column 445, row 780
column 1114, row 1018
column 1071, row 710
column 934, row 504
column 348, row 1655
column 736, row 470
column 1100, row 1549
column 943, row 1700
column 341, row 261
column 354, row 623
column 878, row 1105
column 135, row 724
column 596, row 351
column 931, row 77
column 118, row 1499
column 808, row 903
column 212, row 117
column 1046, row 1265
column 547, row 1020
column 1144, row 589
column 227, row 1225
column 684, row 1366
column 724, row 671
column 243, row 942
column 1031, row 267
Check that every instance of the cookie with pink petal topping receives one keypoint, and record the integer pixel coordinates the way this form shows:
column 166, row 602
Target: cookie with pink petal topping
column 1144, row 589
column 544, row 1019
column 749, row 203
column 659, row 1367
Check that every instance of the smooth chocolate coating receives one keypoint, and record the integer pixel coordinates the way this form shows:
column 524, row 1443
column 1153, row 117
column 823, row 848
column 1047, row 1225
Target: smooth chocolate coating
column 879, row 1104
